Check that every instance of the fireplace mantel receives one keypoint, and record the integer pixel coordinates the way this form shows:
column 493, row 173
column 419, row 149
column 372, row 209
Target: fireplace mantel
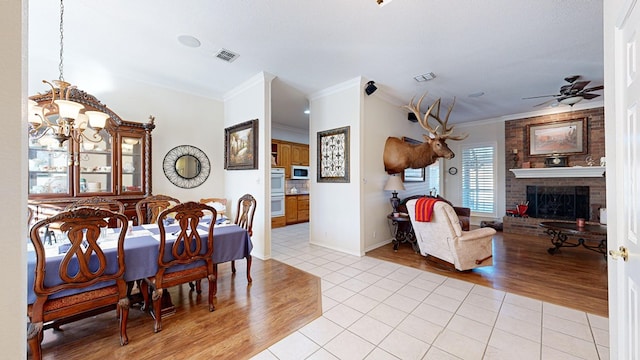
column 562, row 172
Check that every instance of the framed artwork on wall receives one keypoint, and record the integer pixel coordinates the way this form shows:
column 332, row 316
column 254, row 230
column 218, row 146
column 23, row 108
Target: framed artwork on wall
column 561, row 137
column 241, row 146
column 333, row 155
column 412, row 175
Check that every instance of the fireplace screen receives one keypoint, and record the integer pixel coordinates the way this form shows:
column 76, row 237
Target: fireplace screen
column 558, row 202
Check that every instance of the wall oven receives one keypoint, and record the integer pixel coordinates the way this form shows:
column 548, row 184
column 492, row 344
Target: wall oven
column 277, row 192
column 299, row 172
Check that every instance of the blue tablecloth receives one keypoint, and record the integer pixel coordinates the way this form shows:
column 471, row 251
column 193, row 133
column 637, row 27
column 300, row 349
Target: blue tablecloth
column 231, row 242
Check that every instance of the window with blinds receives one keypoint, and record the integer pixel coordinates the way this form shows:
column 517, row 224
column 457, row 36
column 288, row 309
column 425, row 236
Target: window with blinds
column 478, row 178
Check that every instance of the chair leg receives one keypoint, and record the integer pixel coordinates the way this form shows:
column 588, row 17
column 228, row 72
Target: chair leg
column 233, row 266
column 212, row 290
column 157, row 309
column 123, row 310
column 34, row 339
column 215, row 280
column 144, row 289
column 198, row 287
column 249, row 279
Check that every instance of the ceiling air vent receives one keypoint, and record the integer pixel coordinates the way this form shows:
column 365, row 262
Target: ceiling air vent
column 226, row 55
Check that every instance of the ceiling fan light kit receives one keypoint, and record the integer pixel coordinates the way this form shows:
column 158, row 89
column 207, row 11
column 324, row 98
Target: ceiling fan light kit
column 570, row 94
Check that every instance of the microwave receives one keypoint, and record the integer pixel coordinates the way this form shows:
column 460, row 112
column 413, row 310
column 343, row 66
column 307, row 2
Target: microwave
column 299, row 172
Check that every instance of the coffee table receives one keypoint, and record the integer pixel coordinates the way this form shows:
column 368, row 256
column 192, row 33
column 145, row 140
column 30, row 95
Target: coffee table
column 561, row 231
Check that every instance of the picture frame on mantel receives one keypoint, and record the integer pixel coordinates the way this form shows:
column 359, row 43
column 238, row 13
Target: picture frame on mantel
column 333, row 155
column 413, row 175
column 568, row 137
column 241, row 146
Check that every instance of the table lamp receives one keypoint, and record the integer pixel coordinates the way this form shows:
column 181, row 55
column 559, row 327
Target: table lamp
column 394, row 184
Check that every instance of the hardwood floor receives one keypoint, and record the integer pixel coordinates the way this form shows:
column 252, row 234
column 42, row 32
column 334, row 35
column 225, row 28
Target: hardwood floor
column 283, row 299
column 573, row 277
column 247, row 320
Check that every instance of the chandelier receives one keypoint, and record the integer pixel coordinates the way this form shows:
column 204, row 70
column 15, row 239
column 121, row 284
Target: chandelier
column 62, row 118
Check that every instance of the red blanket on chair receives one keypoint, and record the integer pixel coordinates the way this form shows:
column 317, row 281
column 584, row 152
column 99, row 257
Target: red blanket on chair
column 424, row 208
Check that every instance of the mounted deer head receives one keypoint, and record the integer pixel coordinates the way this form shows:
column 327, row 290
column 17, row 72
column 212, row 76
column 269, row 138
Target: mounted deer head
column 399, row 155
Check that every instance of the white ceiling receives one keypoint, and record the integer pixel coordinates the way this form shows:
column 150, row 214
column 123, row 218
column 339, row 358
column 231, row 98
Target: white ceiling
column 507, row 49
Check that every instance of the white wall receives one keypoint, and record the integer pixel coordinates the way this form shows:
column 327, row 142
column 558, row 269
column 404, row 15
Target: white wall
column 181, row 119
column 248, row 101
column 336, row 208
column 13, row 160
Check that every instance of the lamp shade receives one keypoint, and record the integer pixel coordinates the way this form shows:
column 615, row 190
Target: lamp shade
column 97, row 119
column 394, row 183
column 68, row 109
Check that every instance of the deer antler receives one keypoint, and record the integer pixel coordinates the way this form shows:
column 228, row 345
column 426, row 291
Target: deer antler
column 423, row 121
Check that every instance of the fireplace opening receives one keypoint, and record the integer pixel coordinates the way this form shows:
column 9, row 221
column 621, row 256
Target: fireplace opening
column 558, row 202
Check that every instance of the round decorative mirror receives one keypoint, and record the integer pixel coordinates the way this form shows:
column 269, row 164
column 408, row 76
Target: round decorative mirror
column 186, row 166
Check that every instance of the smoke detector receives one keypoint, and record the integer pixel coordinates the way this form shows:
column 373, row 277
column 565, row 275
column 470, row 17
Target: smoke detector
column 226, row 55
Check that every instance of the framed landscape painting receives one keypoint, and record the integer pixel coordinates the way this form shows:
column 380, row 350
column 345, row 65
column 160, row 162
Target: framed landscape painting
column 333, row 155
column 241, row 146
column 562, row 137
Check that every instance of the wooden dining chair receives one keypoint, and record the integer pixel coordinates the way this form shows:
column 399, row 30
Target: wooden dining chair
column 88, row 277
column 183, row 255
column 244, row 218
column 148, row 209
column 220, row 204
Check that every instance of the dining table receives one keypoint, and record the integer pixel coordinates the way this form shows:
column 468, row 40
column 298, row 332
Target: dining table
column 141, row 247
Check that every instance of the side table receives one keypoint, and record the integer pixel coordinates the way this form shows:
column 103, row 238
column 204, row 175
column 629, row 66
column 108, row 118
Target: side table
column 402, row 231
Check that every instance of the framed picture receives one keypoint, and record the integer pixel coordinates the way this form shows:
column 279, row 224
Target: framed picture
column 562, row 137
column 412, row 175
column 241, row 146
column 333, row 155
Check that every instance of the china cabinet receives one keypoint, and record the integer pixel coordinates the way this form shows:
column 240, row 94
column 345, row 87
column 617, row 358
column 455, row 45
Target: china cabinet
column 118, row 165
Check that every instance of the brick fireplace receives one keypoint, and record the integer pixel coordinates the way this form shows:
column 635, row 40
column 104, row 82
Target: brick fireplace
column 516, row 188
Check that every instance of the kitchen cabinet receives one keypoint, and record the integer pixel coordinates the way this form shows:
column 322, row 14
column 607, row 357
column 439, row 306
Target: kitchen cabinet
column 116, row 164
column 297, row 208
column 288, row 153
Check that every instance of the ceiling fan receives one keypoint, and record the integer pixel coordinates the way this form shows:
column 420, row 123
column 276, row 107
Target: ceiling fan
column 571, row 93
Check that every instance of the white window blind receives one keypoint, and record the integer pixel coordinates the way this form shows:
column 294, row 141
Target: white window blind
column 478, row 178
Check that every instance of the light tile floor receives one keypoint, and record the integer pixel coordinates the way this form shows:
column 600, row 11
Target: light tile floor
column 373, row 309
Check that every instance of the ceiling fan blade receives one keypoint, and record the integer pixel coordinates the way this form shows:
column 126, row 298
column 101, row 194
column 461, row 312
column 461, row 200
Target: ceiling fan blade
column 579, row 85
column 541, row 96
column 544, row 103
column 571, row 79
column 595, row 88
column 589, row 96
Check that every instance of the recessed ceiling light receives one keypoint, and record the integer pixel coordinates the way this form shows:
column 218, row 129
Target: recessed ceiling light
column 307, row 112
column 425, row 77
column 189, row 41
column 476, row 94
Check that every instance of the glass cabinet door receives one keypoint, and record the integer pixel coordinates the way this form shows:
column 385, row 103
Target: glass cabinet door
column 95, row 160
column 132, row 167
column 49, row 167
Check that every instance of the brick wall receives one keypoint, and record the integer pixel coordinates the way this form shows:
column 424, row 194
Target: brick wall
column 516, row 188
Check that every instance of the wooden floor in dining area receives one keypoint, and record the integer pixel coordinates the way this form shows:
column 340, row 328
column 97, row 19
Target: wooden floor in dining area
column 572, row 277
column 247, row 320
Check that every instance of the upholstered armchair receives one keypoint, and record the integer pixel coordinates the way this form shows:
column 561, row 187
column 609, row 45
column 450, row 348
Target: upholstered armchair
column 443, row 237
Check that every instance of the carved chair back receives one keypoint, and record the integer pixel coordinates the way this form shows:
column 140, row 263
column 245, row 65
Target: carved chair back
column 149, row 208
column 86, row 264
column 244, row 213
column 220, row 204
